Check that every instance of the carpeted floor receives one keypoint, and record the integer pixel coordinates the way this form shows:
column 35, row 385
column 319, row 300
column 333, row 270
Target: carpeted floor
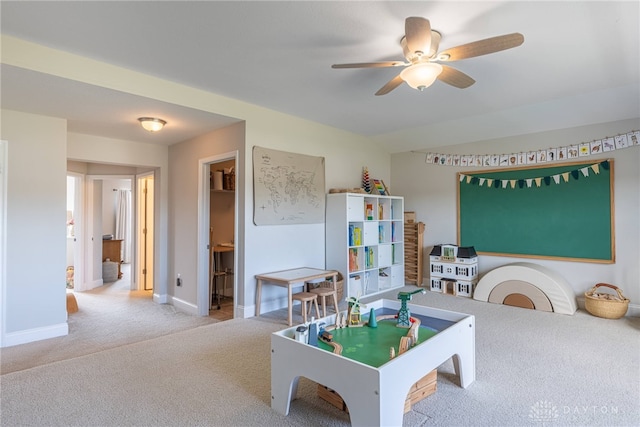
column 533, row 368
column 109, row 316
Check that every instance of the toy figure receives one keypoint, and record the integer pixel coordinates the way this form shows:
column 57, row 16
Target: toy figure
column 404, row 316
column 354, row 310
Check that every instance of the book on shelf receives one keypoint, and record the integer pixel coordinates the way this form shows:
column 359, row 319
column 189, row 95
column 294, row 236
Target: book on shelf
column 353, row 260
column 351, row 231
column 369, row 260
column 355, row 235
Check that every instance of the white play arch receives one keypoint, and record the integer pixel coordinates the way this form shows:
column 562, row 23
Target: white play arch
column 530, row 285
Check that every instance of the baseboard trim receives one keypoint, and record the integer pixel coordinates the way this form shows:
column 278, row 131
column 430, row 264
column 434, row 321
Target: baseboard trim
column 245, row 312
column 266, row 306
column 95, row 284
column 183, row 305
column 161, row 299
column 35, row 334
column 633, row 311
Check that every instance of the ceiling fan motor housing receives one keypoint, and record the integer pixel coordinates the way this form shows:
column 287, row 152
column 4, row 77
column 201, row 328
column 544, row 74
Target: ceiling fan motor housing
column 415, row 57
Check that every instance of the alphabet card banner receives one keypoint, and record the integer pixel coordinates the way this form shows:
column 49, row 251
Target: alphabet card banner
column 571, row 152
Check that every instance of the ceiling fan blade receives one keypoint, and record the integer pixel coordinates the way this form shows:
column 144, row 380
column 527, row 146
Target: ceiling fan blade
column 417, row 32
column 391, row 85
column 456, row 78
column 371, row 64
column 482, row 47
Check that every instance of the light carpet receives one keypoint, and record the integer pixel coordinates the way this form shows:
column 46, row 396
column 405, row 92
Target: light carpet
column 533, row 368
column 109, row 316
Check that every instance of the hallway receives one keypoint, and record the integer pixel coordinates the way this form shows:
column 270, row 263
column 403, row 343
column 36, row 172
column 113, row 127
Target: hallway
column 108, row 316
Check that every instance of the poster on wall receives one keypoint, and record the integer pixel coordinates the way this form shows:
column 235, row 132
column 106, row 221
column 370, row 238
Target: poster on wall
column 288, row 188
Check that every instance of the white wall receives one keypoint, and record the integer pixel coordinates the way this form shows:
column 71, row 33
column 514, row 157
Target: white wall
column 278, row 247
column 345, row 155
column 260, row 249
column 34, row 303
column 430, row 191
column 183, row 210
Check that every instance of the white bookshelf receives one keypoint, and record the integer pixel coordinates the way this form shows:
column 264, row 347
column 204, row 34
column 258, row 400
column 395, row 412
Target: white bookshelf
column 365, row 241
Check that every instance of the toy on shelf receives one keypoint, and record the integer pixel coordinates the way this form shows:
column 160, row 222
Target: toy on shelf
column 366, row 184
column 454, row 270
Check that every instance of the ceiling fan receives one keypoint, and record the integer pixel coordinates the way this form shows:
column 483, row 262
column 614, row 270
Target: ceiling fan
column 420, row 48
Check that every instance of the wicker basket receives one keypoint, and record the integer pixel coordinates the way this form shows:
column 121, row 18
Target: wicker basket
column 606, row 305
column 327, row 284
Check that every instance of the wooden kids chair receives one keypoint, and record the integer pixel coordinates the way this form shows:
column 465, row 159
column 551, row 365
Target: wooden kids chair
column 304, row 298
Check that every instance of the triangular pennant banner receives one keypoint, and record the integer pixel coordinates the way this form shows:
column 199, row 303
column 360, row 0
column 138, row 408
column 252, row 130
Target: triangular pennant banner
column 529, row 181
column 469, row 179
column 489, row 182
column 538, row 181
column 556, row 179
column 513, row 183
column 565, row 176
column 504, row 183
column 596, row 168
column 462, row 177
column 585, row 171
column 482, row 180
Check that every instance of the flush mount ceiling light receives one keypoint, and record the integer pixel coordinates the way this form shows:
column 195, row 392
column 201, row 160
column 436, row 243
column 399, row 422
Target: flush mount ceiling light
column 421, row 76
column 152, row 124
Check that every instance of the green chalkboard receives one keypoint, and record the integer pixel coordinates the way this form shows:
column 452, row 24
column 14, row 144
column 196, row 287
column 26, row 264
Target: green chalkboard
column 539, row 212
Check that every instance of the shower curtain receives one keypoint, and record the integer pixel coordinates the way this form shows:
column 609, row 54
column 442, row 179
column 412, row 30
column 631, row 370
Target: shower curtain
column 123, row 222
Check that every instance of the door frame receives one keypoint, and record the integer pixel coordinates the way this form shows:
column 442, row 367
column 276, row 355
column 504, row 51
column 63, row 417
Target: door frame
column 138, row 227
column 91, row 246
column 3, row 239
column 79, row 256
column 204, row 207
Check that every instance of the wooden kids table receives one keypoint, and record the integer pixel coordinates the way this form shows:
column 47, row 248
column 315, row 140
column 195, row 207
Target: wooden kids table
column 290, row 279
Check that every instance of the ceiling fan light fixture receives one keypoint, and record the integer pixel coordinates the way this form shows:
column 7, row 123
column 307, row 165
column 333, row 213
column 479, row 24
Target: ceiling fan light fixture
column 421, row 76
column 152, row 124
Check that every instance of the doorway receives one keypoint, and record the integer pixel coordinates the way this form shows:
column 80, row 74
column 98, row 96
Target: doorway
column 145, row 231
column 108, row 231
column 217, row 231
column 75, row 220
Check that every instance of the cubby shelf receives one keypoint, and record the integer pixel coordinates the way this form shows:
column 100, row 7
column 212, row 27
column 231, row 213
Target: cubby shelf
column 365, row 241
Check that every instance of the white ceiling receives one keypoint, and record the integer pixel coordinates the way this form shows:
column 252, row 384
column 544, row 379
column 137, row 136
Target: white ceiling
column 579, row 64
